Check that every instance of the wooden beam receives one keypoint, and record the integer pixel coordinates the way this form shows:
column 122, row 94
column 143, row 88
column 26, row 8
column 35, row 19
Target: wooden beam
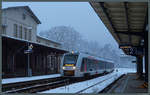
column 127, row 18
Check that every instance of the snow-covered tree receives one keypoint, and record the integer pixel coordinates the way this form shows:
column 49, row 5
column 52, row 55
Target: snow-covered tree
column 69, row 37
column 73, row 40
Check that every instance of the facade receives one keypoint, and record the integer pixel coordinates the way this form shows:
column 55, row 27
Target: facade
column 19, row 30
column 20, row 22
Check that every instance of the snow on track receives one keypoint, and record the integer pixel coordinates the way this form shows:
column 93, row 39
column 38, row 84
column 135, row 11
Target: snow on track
column 22, row 79
column 91, row 86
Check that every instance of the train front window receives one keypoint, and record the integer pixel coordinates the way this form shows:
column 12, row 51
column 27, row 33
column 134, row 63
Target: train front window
column 70, row 59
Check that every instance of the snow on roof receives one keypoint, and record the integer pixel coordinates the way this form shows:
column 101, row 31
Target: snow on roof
column 96, row 57
column 49, row 40
column 34, row 42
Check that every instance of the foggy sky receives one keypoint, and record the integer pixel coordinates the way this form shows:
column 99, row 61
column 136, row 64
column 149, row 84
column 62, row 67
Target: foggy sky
column 79, row 15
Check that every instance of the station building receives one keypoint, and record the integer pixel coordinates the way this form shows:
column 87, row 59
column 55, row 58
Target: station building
column 19, row 31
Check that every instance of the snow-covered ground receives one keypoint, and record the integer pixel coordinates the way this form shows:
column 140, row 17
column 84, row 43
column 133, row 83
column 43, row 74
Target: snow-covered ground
column 22, row 79
column 92, row 86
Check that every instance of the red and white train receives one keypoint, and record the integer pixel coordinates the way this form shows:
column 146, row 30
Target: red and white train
column 80, row 65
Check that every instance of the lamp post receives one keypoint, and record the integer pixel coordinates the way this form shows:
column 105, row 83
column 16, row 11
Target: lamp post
column 28, row 62
column 28, row 51
column 30, row 46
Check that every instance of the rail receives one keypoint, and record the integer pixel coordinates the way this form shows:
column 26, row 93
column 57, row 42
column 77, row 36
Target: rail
column 15, row 87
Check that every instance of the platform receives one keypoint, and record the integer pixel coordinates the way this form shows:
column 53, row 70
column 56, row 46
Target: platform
column 128, row 84
column 23, row 79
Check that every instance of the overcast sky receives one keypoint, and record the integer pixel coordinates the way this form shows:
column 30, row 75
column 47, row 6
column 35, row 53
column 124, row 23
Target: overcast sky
column 79, row 15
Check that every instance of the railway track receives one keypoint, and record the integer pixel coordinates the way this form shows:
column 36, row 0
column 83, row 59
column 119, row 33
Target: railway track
column 42, row 84
column 30, row 86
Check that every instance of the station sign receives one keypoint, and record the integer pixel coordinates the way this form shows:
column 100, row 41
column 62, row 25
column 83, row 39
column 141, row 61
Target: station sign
column 28, row 51
column 132, row 50
column 125, row 46
column 135, row 51
column 134, row 61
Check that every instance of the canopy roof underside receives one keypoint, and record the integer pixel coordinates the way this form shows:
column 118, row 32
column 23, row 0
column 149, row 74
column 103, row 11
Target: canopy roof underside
column 126, row 21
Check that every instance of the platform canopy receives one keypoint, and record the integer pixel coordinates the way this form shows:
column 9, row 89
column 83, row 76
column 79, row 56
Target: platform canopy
column 126, row 21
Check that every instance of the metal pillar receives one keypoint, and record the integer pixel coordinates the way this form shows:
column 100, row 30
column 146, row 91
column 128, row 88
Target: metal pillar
column 146, row 55
column 13, row 64
column 139, row 66
column 29, row 70
column 0, row 42
column 46, row 63
column 28, row 65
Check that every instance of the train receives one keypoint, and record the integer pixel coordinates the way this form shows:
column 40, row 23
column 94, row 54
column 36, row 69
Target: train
column 83, row 64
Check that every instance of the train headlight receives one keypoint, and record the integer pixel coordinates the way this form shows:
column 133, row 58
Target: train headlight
column 74, row 67
column 63, row 67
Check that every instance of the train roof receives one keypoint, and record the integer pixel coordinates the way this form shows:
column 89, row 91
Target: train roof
column 91, row 56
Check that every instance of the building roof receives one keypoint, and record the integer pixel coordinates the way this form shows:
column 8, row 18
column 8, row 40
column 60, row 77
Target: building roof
column 53, row 41
column 126, row 21
column 23, row 40
column 28, row 9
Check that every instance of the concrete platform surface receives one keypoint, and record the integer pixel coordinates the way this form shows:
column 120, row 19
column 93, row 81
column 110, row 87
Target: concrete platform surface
column 23, row 79
column 128, row 84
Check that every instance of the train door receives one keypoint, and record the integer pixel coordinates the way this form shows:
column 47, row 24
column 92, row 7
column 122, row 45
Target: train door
column 96, row 65
column 84, row 65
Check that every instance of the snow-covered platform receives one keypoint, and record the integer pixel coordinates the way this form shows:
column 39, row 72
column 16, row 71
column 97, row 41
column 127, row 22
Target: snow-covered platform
column 23, row 79
column 91, row 86
column 128, row 84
